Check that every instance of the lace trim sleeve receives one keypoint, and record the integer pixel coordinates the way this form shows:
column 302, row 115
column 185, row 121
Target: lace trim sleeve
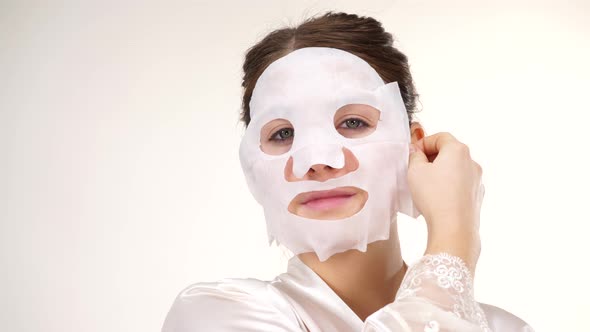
column 436, row 295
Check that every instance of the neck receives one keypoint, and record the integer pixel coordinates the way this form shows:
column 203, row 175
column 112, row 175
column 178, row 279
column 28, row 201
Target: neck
column 365, row 281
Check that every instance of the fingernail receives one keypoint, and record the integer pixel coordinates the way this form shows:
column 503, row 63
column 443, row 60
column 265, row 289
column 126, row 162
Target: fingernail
column 412, row 148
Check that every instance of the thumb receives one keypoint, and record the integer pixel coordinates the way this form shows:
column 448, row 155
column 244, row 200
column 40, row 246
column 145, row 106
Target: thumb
column 416, row 156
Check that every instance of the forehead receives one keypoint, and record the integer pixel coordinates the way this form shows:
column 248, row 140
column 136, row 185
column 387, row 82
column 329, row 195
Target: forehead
column 313, row 74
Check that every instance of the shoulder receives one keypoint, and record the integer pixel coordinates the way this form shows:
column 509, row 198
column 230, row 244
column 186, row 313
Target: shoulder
column 229, row 305
column 502, row 320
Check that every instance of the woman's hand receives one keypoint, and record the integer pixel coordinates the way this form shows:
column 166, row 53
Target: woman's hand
column 446, row 188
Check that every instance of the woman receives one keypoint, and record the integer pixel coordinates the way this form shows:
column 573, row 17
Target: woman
column 331, row 153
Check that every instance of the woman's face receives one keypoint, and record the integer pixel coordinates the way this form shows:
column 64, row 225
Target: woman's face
column 350, row 121
column 328, row 141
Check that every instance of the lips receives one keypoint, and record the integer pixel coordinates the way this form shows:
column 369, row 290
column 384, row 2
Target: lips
column 326, row 199
column 338, row 203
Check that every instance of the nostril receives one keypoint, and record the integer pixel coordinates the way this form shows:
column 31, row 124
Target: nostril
column 320, row 167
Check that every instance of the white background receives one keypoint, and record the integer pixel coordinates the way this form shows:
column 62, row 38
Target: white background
column 120, row 182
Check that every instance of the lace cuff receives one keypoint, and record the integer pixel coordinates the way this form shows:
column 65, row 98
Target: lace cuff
column 436, row 295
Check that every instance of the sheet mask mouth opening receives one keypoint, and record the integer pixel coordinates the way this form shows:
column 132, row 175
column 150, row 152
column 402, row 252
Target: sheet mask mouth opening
column 334, row 204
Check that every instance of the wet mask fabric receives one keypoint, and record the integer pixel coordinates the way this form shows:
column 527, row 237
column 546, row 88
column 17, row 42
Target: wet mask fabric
column 306, row 88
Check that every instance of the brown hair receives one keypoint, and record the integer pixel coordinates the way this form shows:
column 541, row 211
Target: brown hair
column 361, row 36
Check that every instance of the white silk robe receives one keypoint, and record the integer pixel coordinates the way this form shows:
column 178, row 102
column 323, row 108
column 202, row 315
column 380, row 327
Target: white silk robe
column 436, row 295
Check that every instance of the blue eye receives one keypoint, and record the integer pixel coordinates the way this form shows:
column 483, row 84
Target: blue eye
column 282, row 134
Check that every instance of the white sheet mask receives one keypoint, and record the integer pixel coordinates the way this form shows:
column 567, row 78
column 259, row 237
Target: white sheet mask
column 307, row 87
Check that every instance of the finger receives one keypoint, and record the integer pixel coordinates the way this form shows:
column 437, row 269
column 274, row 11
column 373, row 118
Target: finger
column 432, row 145
column 420, row 145
column 417, row 156
column 481, row 194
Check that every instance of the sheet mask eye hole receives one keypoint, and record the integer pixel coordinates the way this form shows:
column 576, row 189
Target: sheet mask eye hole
column 356, row 120
column 276, row 137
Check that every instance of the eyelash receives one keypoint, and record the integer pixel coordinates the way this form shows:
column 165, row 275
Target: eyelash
column 362, row 126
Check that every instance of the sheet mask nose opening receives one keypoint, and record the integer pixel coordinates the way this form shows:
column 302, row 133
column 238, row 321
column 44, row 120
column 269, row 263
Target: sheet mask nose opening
column 331, row 155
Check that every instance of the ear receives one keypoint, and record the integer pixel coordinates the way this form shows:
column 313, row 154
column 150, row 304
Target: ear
column 416, row 131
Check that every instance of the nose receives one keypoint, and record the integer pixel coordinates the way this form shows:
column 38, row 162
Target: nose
column 324, row 170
